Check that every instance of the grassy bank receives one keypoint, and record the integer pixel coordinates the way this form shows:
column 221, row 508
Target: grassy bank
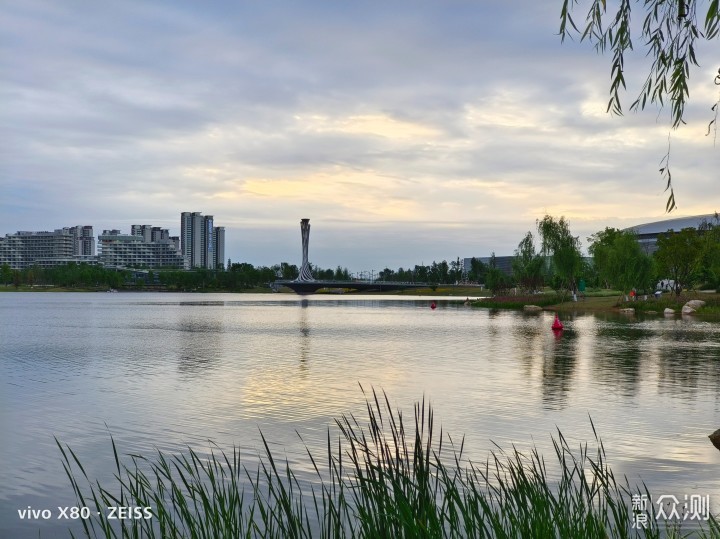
column 383, row 478
column 607, row 301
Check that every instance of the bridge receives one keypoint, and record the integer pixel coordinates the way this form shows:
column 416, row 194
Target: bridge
column 306, row 284
column 310, row 287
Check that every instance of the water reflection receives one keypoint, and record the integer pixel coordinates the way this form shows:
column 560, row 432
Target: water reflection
column 684, row 374
column 558, row 367
column 617, row 361
column 304, row 336
column 200, row 344
column 282, row 364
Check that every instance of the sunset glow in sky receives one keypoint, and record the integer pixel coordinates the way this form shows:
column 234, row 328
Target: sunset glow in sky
column 406, row 132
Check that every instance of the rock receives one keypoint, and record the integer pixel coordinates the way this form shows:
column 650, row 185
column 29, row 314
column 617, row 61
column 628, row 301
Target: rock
column 628, row 310
column 532, row 308
column 668, row 311
column 715, row 438
column 687, row 309
column 695, row 304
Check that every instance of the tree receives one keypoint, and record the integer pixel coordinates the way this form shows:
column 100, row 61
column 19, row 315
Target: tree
column 456, row 271
column 563, row 249
column 601, row 248
column 421, row 274
column 6, row 274
column 670, row 32
column 495, row 279
column 289, row 271
column 620, row 261
column 477, row 270
column 710, row 260
column 528, row 265
column 678, row 257
column 386, row 275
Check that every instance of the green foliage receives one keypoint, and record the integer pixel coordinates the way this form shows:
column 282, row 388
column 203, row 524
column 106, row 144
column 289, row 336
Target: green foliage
column 69, row 276
column 679, row 256
column 709, row 273
column 563, row 249
column 670, row 32
column 435, row 274
column 478, row 270
column 384, row 479
column 711, row 309
column 6, row 274
column 620, row 261
column 528, row 265
column 495, row 279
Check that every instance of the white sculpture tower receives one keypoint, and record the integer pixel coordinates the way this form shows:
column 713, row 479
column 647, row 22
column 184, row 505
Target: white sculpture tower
column 305, row 274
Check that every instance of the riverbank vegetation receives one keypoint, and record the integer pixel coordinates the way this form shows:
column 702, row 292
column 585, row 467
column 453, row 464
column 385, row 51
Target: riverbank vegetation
column 684, row 261
column 384, row 478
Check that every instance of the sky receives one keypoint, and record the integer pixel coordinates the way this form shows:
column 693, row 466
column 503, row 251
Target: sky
column 407, row 132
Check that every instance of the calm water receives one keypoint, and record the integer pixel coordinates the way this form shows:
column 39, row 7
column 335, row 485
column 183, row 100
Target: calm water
column 169, row 370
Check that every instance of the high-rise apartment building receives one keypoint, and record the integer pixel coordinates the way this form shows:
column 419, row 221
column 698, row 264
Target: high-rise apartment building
column 219, row 235
column 201, row 243
column 84, row 239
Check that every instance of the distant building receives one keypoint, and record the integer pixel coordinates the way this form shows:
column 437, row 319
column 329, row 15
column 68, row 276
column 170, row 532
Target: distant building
column 84, row 241
column 219, row 235
column 62, row 246
column 201, row 243
column 139, row 249
column 503, row 263
column 647, row 234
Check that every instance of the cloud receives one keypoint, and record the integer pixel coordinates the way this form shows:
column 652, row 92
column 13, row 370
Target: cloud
column 421, row 130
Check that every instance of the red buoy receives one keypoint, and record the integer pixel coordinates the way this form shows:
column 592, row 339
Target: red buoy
column 557, row 325
column 432, row 305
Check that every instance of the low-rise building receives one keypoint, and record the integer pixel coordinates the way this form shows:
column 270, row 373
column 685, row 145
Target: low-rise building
column 139, row 250
column 61, row 246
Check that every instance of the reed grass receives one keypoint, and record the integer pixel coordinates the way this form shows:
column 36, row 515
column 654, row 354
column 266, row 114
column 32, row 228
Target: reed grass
column 378, row 479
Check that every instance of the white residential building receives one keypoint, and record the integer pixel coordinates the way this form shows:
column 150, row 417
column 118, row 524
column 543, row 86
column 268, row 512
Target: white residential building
column 62, row 246
column 138, row 249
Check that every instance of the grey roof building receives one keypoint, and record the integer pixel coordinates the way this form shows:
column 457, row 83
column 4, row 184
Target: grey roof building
column 647, row 234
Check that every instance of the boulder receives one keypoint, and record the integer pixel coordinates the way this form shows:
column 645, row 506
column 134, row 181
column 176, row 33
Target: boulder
column 668, row 311
column 687, row 309
column 532, row 308
column 628, row 310
column 695, row 304
column 715, row 438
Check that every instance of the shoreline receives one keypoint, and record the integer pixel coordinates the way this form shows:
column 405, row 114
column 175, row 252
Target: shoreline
column 602, row 302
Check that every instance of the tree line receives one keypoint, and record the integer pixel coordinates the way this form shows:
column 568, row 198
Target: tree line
column 239, row 276
column 685, row 259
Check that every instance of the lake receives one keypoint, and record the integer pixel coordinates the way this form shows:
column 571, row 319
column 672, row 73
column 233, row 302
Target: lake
column 167, row 371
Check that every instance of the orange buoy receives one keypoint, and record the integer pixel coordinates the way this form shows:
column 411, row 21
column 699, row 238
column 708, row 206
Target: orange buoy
column 432, row 305
column 557, row 325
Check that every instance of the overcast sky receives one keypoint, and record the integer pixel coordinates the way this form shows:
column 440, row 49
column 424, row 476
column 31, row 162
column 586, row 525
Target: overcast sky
column 406, row 132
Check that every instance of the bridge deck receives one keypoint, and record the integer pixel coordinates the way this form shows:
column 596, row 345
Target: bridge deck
column 310, row 287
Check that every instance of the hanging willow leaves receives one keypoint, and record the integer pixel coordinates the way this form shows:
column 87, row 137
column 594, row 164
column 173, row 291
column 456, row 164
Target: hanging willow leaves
column 671, row 30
